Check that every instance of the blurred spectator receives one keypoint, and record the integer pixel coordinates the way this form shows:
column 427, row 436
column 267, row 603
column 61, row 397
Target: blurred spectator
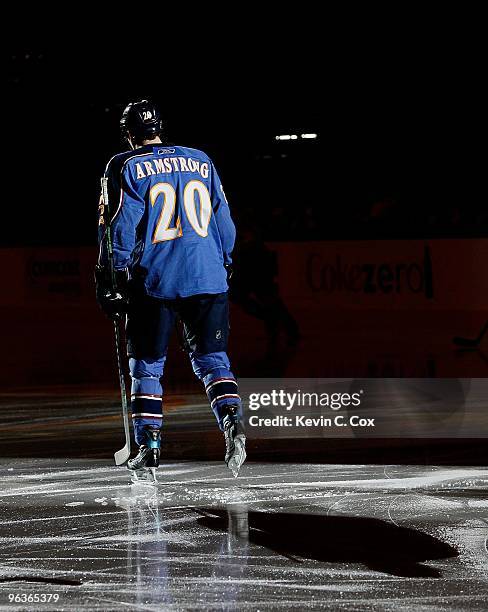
column 255, row 289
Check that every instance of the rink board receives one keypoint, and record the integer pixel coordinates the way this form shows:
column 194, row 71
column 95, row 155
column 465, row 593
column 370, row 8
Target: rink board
column 363, row 309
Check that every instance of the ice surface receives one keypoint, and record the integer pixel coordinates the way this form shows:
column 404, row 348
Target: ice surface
column 281, row 536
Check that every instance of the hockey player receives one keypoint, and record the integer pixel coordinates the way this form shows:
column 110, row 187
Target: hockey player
column 172, row 237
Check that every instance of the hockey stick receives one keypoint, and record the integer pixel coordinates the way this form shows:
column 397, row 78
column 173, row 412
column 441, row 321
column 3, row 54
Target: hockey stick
column 471, row 342
column 123, row 454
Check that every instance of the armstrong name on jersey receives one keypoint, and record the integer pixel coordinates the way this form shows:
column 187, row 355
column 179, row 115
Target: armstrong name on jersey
column 164, row 165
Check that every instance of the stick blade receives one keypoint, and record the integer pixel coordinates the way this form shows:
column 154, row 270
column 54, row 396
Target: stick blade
column 122, row 455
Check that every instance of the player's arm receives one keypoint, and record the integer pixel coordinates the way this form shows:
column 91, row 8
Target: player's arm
column 221, row 211
column 126, row 209
column 122, row 215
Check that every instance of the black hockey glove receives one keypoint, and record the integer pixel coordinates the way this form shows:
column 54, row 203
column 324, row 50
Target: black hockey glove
column 112, row 300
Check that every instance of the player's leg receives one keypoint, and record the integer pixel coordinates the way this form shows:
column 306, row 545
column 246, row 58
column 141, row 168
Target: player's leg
column 147, row 410
column 206, row 327
column 213, row 369
column 149, row 326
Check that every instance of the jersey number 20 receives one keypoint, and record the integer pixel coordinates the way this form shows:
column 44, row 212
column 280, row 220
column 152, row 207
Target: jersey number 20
column 199, row 220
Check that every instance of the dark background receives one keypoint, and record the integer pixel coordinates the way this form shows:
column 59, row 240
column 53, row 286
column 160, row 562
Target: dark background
column 399, row 106
column 399, row 116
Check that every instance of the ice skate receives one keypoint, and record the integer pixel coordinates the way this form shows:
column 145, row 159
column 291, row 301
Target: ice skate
column 235, row 440
column 144, row 476
column 143, row 466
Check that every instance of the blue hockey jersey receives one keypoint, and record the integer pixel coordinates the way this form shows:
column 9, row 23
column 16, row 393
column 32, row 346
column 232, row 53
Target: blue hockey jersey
column 170, row 221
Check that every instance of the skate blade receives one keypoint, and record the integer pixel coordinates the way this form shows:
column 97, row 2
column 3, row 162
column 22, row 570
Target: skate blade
column 234, row 466
column 144, row 477
column 238, row 459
